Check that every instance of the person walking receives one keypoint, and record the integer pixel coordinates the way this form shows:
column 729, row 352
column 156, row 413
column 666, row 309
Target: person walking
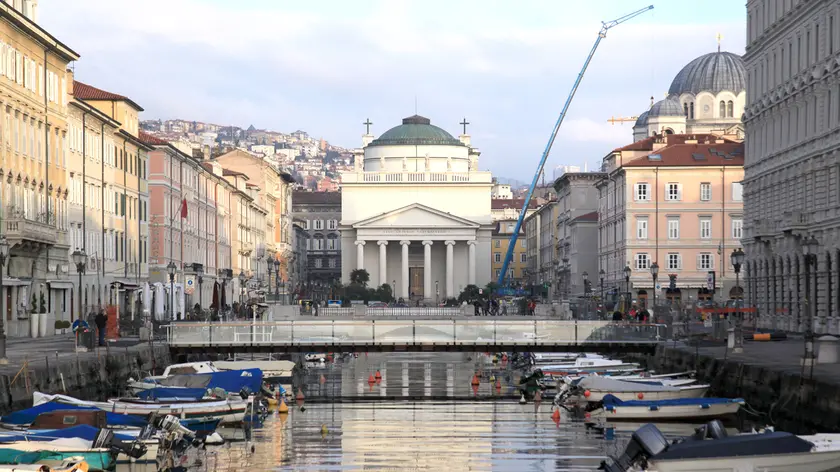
column 101, row 321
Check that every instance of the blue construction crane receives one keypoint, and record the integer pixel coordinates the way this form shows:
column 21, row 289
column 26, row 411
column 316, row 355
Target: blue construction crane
column 605, row 26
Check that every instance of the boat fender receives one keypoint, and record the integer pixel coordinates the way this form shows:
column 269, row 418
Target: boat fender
column 640, row 396
column 587, row 394
column 654, row 408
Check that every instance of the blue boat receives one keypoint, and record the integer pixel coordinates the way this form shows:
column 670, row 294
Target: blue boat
column 231, row 381
column 613, row 409
column 172, row 394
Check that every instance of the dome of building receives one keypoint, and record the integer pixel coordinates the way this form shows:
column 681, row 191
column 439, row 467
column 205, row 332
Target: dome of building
column 415, row 130
column 714, row 73
column 667, row 107
column 642, row 120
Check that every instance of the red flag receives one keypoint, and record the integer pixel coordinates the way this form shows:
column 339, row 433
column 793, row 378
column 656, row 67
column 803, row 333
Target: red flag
column 184, row 208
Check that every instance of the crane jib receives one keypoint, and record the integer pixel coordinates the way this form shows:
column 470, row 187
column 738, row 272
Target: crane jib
column 605, row 26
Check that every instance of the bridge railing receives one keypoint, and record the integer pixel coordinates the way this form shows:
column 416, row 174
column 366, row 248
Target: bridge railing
column 411, row 332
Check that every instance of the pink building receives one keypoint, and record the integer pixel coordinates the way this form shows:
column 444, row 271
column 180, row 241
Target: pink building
column 675, row 200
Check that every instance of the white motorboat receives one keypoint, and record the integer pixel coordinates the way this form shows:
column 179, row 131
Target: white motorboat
column 152, row 381
column 614, row 409
column 585, row 365
column 594, row 389
column 712, row 449
column 230, row 410
column 540, row 357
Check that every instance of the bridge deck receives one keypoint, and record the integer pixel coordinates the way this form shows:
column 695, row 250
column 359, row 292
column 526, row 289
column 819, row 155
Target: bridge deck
column 413, row 335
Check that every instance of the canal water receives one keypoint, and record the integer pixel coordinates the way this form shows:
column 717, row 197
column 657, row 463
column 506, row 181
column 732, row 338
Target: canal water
column 423, row 414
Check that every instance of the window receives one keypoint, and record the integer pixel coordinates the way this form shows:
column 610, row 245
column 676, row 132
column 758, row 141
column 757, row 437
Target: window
column 318, row 263
column 722, row 109
column 737, row 228
column 642, row 261
column 497, row 257
column 673, row 228
column 705, row 228
column 319, row 224
column 737, row 192
column 685, row 109
column 332, row 263
column 522, row 243
column 730, row 109
column 673, row 191
column 498, row 272
column 642, row 192
column 497, row 243
column 642, row 228
column 705, row 261
column 705, row 191
column 522, row 258
column 332, row 224
column 674, row 261
column 306, row 226
column 691, row 111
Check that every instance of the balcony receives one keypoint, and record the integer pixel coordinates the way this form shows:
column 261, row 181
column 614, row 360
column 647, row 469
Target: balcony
column 246, row 248
column 795, row 220
column 416, row 177
column 38, row 230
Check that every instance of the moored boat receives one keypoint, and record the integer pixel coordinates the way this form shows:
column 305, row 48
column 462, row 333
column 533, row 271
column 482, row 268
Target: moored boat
column 73, row 464
column 613, row 409
column 593, row 389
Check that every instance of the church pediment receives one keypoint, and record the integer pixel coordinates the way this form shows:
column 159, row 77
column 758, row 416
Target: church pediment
column 415, row 216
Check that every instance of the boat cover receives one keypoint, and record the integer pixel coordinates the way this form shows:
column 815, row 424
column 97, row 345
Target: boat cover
column 232, row 381
column 28, row 415
column 612, row 385
column 768, row 444
column 83, row 431
column 172, row 393
column 612, row 400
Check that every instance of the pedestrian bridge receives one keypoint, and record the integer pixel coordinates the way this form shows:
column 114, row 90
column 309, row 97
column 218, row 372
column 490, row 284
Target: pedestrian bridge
column 471, row 334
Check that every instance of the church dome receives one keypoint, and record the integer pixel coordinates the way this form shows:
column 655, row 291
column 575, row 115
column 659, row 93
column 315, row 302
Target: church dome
column 714, row 73
column 667, row 107
column 415, row 130
column 642, row 120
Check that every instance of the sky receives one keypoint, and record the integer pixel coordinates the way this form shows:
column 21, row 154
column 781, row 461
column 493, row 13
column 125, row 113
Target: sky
column 325, row 66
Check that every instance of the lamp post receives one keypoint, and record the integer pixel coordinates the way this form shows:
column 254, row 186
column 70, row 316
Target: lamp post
column 199, row 270
column 270, row 263
column 241, row 288
column 654, row 272
column 809, row 249
column 171, row 268
column 79, row 258
column 4, row 253
column 601, row 274
column 276, row 280
column 627, row 272
column 737, row 259
column 394, row 289
column 437, row 294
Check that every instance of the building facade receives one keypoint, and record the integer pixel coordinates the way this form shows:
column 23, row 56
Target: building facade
column 541, row 234
column 416, row 209
column 33, row 88
column 675, row 200
column 319, row 213
column 792, row 170
column 577, row 237
column 501, row 243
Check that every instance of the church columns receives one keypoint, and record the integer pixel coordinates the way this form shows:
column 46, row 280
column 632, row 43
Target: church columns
column 427, row 270
column 450, row 267
column 383, row 262
column 360, row 255
column 471, row 262
column 405, row 281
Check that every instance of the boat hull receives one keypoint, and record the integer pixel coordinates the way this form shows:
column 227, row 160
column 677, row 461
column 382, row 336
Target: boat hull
column 97, row 460
column 665, row 413
column 692, row 391
column 822, row 461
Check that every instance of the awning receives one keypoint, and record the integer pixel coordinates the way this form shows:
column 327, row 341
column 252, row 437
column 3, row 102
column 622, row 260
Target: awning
column 62, row 284
column 126, row 285
column 13, row 282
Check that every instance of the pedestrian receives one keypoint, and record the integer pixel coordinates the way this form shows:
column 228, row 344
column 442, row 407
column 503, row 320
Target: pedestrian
column 101, row 321
column 477, row 305
column 616, row 315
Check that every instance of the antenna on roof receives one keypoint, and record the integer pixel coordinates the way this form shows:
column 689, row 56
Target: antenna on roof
column 719, row 37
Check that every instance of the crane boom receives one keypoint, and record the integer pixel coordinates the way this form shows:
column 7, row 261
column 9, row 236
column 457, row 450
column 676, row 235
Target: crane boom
column 605, row 26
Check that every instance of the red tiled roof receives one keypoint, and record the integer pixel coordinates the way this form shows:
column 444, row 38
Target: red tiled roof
column 88, row 92
column 312, row 198
column 515, row 203
column 647, row 143
column 593, row 216
column 689, row 155
column 151, row 139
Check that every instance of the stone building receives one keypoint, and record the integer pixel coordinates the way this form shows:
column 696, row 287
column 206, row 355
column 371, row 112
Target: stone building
column 319, row 213
column 577, row 230
column 792, row 170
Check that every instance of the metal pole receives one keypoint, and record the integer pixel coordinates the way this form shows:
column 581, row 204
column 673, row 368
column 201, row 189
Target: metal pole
column 3, row 359
column 653, row 308
column 171, row 296
column 76, row 335
column 739, row 315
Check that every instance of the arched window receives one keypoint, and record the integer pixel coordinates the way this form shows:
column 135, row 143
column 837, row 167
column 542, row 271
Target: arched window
column 332, row 242
column 722, row 109
column 730, row 109
column 685, row 108
column 691, row 111
column 668, row 131
column 318, row 242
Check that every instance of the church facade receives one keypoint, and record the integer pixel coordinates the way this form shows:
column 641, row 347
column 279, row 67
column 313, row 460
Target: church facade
column 415, row 212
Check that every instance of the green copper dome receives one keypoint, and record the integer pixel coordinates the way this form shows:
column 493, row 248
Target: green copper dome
column 415, row 130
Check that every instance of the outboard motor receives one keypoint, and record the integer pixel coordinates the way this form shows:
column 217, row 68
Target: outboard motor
column 712, row 430
column 647, row 441
column 105, row 439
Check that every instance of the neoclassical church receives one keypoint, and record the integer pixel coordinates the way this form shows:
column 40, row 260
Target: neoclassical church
column 706, row 96
column 417, row 211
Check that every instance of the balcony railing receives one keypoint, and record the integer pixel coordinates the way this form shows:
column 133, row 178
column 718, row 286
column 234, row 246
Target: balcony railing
column 415, row 177
column 40, row 229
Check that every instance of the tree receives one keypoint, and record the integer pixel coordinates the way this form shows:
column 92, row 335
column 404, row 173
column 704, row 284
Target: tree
column 384, row 293
column 359, row 277
column 470, row 294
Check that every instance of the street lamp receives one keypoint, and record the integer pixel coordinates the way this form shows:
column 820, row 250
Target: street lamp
column 199, row 270
column 654, row 272
column 270, row 262
column 437, row 293
column 171, row 268
column 627, row 272
column 585, row 282
column 809, row 249
column 241, row 287
column 394, row 289
column 79, row 258
column 277, row 279
column 601, row 274
column 737, row 259
column 4, row 253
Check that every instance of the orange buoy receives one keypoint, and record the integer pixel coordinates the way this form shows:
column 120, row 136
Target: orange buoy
column 282, row 408
column 587, row 393
column 378, row 375
column 475, row 380
column 323, row 379
column 475, row 389
column 371, row 380
column 640, row 395
column 498, row 385
column 299, row 395
column 556, row 416
column 587, row 415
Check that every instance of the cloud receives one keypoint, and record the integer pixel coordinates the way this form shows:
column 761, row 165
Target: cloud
column 326, row 66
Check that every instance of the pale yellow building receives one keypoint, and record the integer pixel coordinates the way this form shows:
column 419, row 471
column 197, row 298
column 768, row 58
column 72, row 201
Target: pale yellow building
column 33, row 161
column 501, row 243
